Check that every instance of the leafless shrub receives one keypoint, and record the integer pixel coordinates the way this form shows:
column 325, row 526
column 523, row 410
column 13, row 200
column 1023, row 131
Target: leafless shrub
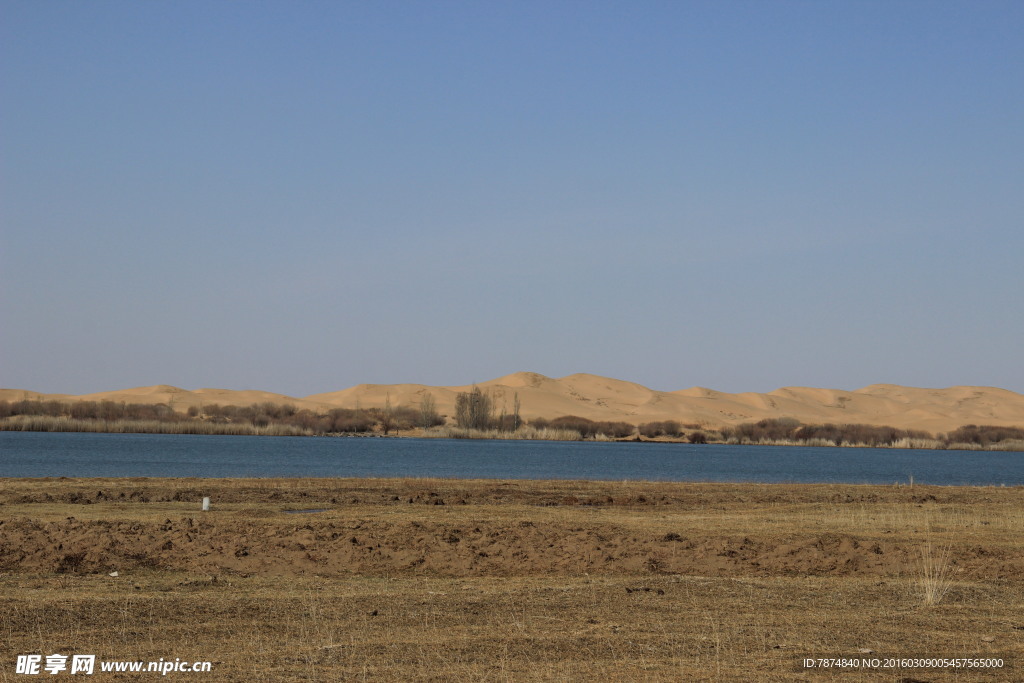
column 664, row 428
column 347, row 420
column 788, row 430
column 48, row 423
column 428, row 415
column 615, row 430
column 697, row 437
column 581, row 425
column 984, row 435
column 474, row 409
column 587, row 428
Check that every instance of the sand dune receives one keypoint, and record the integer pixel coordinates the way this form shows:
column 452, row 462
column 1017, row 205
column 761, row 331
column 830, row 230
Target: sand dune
column 604, row 398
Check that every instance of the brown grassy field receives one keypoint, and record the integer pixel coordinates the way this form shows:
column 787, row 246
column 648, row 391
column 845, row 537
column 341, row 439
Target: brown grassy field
column 436, row 580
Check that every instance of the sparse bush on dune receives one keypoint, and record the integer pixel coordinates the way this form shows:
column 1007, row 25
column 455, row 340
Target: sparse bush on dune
column 778, row 428
column 581, row 425
column 346, row 420
column 392, row 418
column 773, row 429
column 406, row 417
column 476, row 407
column 49, row 423
column 504, row 423
column 258, row 418
column 790, row 431
column 588, row 428
column 653, row 430
column 650, row 430
column 108, row 416
column 27, row 407
column 984, row 435
column 616, row 430
column 278, row 411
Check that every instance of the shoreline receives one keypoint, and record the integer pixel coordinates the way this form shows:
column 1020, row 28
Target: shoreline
column 543, row 483
column 231, row 430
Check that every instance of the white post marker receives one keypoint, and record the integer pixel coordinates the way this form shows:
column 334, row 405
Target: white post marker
column 206, row 503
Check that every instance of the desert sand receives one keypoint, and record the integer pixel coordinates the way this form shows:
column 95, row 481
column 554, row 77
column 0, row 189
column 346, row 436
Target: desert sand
column 603, row 398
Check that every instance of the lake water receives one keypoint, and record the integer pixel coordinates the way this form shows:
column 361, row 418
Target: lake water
column 32, row 454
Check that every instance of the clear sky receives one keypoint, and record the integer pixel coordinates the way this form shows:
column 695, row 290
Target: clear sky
column 302, row 196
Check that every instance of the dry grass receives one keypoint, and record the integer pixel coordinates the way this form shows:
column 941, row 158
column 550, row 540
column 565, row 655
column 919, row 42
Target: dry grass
column 643, row 581
column 526, row 433
column 937, row 573
column 1008, row 445
column 525, row 628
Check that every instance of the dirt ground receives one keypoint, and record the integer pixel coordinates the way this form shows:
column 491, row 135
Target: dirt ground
column 423, row 579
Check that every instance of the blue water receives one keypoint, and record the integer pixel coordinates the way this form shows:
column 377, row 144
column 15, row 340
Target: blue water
column 32, row 454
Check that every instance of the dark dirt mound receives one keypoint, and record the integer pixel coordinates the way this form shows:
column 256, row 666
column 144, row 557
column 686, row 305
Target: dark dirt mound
column 486, row 549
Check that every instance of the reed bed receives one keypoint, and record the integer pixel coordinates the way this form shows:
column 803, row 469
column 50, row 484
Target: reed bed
column 523, row 433
column 1009, row 445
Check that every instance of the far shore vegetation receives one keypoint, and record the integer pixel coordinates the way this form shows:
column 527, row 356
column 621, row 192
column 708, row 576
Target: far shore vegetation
column 476, row 417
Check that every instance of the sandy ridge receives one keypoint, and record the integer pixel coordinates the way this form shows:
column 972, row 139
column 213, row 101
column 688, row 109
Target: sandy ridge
column 604, row 398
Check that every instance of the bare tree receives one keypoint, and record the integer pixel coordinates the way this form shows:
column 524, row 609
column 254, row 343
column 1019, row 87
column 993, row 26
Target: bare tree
column 428, row 411
column 387, row 416
column 474, row 409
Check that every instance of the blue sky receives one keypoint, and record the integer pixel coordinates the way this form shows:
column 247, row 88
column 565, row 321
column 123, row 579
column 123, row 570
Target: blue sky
column 302, row 196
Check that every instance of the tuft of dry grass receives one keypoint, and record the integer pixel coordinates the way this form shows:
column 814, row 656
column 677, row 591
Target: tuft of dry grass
column 937, row 572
